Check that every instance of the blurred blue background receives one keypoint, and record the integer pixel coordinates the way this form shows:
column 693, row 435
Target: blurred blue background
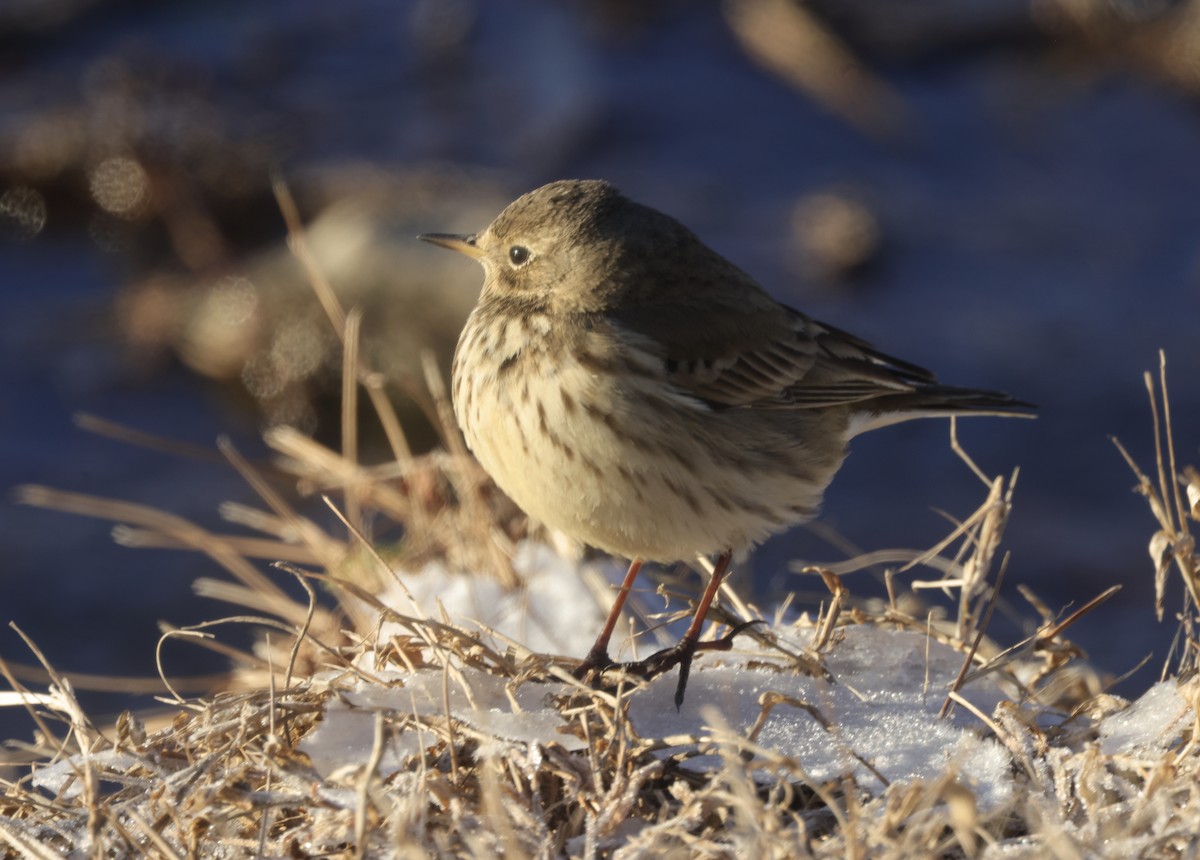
column 1005, row 192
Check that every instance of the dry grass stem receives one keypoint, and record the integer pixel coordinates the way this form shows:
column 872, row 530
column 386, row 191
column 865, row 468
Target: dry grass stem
column 480, row 745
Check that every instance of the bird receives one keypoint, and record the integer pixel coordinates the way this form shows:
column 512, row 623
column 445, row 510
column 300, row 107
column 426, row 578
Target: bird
column 630, row 387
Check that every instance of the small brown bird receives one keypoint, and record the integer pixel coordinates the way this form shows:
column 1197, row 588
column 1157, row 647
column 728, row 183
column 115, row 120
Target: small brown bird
column 627, row 385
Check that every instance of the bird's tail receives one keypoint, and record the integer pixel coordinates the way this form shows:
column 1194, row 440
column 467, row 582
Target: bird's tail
column 937, row 401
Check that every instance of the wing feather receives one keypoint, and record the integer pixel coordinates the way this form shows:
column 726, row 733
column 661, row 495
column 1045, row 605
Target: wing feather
column 768, row 356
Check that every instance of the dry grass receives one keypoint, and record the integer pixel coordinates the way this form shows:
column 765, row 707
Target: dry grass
column 225, row 778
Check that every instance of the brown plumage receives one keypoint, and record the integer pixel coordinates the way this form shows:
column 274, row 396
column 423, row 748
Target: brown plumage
column 626, row 384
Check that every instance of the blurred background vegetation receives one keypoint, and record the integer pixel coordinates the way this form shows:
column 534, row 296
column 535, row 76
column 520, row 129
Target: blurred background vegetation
column 1006, row 191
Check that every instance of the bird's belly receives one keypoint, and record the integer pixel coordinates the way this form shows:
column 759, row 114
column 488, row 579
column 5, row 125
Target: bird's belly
column 556, row 459
column 636, row 470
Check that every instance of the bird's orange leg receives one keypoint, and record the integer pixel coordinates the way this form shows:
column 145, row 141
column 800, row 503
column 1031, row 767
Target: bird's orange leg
column 597, row 658
column 682, row 652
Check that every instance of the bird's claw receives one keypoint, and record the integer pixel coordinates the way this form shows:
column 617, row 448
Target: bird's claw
column 595, row 664
column 680, row 654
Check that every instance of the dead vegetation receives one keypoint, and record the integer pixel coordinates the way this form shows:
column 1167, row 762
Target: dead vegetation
column 227, row 776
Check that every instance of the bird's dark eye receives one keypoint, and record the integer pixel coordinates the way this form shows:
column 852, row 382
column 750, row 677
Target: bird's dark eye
column 518, row 255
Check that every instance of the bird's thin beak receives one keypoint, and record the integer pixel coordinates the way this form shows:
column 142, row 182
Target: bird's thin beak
column 462, row 244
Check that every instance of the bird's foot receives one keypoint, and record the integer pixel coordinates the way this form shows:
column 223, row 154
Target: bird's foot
column 593, row 665
column 681, row 654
